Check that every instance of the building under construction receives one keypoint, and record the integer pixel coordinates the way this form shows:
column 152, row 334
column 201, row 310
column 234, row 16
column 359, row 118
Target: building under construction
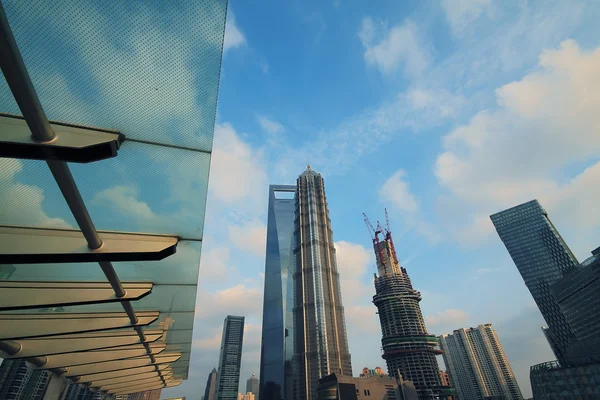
column 407, row 347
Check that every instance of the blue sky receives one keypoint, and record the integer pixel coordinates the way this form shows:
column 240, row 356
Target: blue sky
column 443, row 112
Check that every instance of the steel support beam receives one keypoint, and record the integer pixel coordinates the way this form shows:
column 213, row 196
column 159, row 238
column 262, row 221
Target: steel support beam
column 129, row 377
column 20, row 245
column 97, row 356
column 119, row 373
column 134, row 382
column 15, row 327
column 23, row 295
column 121, row 364
column 71, row 143
column 27, row 348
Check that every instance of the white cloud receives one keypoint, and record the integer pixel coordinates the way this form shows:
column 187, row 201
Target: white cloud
column 545, row 123
column 461, row 13
column 397, row 191
column 238, row 172
column 451, row 317
column 270, row 126
column 233, row 36
column 250, row 236
column 388, row 49
column 23, row 204
column 353, row 262
column 214, row 264
column 123, row 199
column 235, row 300
column 362, row 319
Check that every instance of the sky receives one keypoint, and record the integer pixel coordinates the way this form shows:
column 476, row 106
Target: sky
column 443, row 112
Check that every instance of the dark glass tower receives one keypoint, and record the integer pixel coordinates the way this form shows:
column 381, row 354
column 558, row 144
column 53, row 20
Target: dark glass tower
column 543, row 258
column 407, row 347
column 230, row 359
column 320, row 341
column 275, row 362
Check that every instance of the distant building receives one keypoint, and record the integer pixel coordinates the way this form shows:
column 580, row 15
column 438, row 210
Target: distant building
column 247, row 396
column 230, row 358
column 366, row 372
column 376, row 387
column 477, row 364
column 542, row 258
column 252, row 385
column 146, row 395
column 210, row 391
column 17, row 381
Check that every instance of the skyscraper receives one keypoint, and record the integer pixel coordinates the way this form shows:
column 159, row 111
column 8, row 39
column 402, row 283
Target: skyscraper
column 477, row 365
column 252, row 385
column 407, row 347
column 228, row 375
column 542, row 258
column 319, row 331
column 276, row 351
column 210, row 391
column 17, row 381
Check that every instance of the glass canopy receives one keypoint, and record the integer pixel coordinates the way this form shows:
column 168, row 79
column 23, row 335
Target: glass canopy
column 107, row 112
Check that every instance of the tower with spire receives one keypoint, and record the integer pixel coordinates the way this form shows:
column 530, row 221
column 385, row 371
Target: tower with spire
column 319, row 329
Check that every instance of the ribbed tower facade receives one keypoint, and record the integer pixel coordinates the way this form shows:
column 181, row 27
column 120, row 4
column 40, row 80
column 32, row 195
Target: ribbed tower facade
column 407, row 347
column 478, row 365
column 320, row 341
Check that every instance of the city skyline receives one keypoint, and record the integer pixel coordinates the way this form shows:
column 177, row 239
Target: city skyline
column 444, row 112
column 435, row 145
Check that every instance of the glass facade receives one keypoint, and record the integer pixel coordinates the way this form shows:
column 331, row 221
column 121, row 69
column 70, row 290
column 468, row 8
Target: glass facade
column 320, row 340
column 577, row 296
column 230, row 358
column 276, row 324
column 146, row 73
column 550, row 381
column 542, row 258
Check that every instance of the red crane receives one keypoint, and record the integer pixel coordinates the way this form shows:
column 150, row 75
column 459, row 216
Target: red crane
column 375, row 236
column 388, row 236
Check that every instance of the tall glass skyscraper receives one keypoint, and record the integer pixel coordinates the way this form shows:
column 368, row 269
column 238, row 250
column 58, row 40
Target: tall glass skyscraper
column 277, row 323
column 230, row 359
column 543, row 258
column 319, row 330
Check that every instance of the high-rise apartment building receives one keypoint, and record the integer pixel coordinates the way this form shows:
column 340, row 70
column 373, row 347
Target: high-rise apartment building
column 319, row 331
column 477, row 365
column 252, row 385
column 542, row 258
column 408, row 349
column 210, row 392
column 18, row 382
column 230, row 358
column 276, row 352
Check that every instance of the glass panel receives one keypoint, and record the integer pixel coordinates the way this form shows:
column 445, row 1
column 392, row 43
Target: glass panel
column 147, row 188
column 180, row 268
column 148, row 69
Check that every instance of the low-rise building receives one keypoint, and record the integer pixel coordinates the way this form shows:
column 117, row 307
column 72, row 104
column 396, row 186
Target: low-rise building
column 375, row 387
